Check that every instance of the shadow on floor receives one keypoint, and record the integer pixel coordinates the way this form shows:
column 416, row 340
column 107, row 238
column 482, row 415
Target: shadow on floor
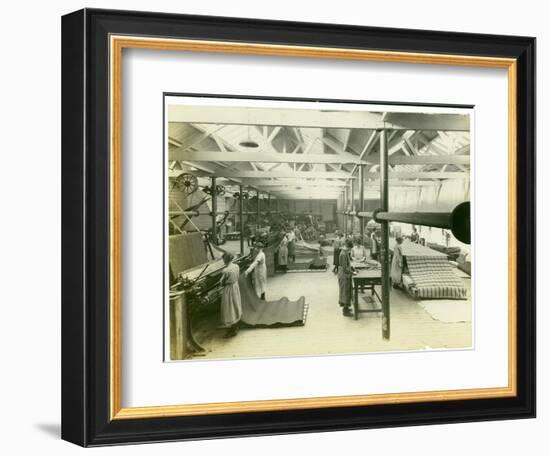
column 51, row 429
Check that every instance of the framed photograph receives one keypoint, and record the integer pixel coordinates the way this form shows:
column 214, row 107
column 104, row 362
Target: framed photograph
column 277, row 227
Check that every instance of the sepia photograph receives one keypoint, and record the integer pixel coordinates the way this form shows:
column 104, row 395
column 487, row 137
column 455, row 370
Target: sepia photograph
column 282, row 227
column 315, row 227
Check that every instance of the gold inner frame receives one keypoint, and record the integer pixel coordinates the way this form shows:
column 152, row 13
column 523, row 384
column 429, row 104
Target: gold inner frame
column 117, row 44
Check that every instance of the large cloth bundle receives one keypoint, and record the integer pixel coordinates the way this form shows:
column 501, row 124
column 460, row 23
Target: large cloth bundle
column 318, row 264
column 258, row 313
column 308, row 258
column 304, row 249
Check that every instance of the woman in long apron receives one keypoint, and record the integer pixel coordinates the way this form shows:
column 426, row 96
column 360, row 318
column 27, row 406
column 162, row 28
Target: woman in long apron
column 374, row 246
column 397, row 263
column 282, row 255
column 231, row 307
column 291, row 239
column 259, row 269
column 345, row 279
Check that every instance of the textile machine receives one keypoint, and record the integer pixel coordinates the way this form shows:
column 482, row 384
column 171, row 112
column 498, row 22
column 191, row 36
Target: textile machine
column 195, row 305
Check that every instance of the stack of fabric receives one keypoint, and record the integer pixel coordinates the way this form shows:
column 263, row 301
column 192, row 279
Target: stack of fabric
column 430, row 275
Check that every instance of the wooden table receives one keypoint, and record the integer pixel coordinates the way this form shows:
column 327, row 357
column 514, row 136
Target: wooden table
column 366, row 279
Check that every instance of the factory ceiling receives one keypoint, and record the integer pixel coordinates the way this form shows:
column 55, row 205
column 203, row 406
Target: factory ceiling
column 296, row 154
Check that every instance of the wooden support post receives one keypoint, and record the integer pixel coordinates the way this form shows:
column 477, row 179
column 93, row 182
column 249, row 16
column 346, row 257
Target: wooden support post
column 352, row 206
column 241, row 218
column 214, row 212
column 384, row 248
column 268, row 203
column 345, row 217
column 361, row 207
column 258, row 208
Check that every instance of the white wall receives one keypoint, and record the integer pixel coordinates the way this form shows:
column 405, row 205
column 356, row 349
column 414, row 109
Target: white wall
column 30, row 252
column 433, row 198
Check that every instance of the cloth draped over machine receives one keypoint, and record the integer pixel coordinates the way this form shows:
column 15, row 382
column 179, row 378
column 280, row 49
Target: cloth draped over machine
column 192, row 251
column 194, row 311
column 308, row 258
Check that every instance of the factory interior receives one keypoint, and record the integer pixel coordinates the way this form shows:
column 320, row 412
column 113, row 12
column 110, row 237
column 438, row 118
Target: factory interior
column 303, row 232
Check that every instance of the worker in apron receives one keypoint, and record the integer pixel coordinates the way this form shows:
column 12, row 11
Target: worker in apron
column 282, row 254
column 359, row 252
column 373, row 246
column 231, row 306
column 259, row 271
column 345, row 274
column 397, row 263
column 291, row 239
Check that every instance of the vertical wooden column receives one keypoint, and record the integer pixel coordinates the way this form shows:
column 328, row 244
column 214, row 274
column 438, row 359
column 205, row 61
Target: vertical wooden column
column 214, row 212
column 241, row 218
column 384, row 248
column 258, row 208
column 352, row 206
column 269, row 203
column 361, row 200
column 345, row 205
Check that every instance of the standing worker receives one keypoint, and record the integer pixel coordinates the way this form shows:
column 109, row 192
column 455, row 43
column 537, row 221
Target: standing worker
column 359, row 252
column 397, row 263
column 259, row 269
column 374, row 245
column 345, row 274
column 291, row 239
column 231, row 306
column 297, row 234
column 414, row 236
column 283, row 253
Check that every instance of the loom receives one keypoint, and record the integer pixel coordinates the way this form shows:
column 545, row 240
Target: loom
column 194, row 300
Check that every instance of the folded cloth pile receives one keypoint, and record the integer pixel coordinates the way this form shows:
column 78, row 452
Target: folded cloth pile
column 433, row 277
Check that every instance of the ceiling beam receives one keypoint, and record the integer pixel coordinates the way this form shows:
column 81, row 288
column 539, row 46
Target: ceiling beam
column 274, row 133
column 310, row 191
column 316, row 118
column 262, row 157
column 369, row 144
column 234, row 173
column 404, row 183
column 292, row 187
column 285, row 182
column 238, row 174
column 307, row 196
column 288, row 183
column 347, row 135
column 421, row 175
column 430, row 122
column 336, row 146
column 429, row 160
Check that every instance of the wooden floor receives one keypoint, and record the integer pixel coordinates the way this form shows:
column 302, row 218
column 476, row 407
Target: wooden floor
column 328, row 332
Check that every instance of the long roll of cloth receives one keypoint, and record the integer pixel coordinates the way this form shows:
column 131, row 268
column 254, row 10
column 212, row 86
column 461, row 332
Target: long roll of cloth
column 258, row 313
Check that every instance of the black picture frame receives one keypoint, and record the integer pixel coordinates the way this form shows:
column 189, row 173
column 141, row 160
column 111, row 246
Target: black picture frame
column 86, row 217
